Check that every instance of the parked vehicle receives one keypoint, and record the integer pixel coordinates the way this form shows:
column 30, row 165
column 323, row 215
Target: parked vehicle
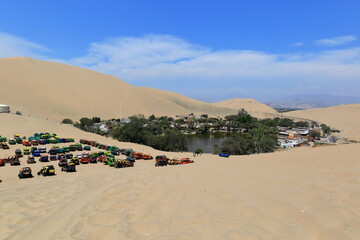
column 87, row 148
column 53, row 158
column 18, row 153
column 69, row 155
column 26, row 143
column 73, row 147
column 42, row 150
column 4, row 145
column 70, row 167
column 138, row 155
column 79, row 147
column 26, row 151
column 44, row 158
column 76, row 160
column 101, row 158
column 121, row 163
column 31, row 160
column 12, row 141
column 61, row 150
column 25, row 172
column 224, row 155
column 14, row 161
column 63, row 162
column 185, row 161
column 33, row 149
column 130, row 158
column 85, row 159
column 47, row 171
column 147, row 157
column 36, row 153
column 115, row 152
column 161, row 161
column 110, row 161
column 93, row 160
column 3, row 139
column 174, row 161
column 53, row 151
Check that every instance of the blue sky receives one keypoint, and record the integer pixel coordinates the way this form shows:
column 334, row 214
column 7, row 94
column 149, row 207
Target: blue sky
column 208, row 50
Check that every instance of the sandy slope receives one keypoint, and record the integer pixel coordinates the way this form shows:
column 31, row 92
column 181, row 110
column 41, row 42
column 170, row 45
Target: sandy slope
column 252, row 106
column 57, row 91
column 343, row 117
column 305, row 193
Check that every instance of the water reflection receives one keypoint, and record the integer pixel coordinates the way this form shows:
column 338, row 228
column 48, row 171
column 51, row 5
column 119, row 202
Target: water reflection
column 206, row 141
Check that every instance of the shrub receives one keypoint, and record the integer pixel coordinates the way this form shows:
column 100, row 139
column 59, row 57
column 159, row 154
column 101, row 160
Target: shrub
column 199, row 151
column 67, row 121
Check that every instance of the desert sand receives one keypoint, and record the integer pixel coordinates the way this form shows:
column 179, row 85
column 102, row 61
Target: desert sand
column 304, row 193
column 346, row 118
column 252, row 106
column 57, row 91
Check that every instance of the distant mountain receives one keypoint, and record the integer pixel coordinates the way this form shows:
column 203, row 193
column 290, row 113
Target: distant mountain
column 307, row 101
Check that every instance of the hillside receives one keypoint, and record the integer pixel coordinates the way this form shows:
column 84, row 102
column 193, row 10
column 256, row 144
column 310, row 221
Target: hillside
column 57, row 91
column 346, row 118
column 252, row 106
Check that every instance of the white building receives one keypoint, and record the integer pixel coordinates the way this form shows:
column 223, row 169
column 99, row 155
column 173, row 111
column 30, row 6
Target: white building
column 290, row 143
column 4, row 108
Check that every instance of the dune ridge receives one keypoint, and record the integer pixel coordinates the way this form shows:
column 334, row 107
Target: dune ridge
column 57, row 91
column 346, row 118
column 252, row 106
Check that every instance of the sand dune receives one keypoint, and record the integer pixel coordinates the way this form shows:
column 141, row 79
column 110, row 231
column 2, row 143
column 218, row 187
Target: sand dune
column 57, row 91
column 252, row 106
column 343, row 117
column 305, row 193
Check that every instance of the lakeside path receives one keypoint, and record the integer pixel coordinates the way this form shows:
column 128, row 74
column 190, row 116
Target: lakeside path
column 304, row 193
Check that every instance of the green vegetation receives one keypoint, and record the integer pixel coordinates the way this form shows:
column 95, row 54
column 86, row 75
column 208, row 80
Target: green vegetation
column 157, row 134
column 249, row 134
column 314, row 134
column 199, row 151
column 301, row 124
column 260, row 139
column 326, row 129
column 67, row 121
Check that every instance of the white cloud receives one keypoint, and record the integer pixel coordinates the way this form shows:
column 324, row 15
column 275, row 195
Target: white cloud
column 336, row 41
column 166, row 57
column 14, row 46
column 297, row 44
column 165, row 61
column 171, row 63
